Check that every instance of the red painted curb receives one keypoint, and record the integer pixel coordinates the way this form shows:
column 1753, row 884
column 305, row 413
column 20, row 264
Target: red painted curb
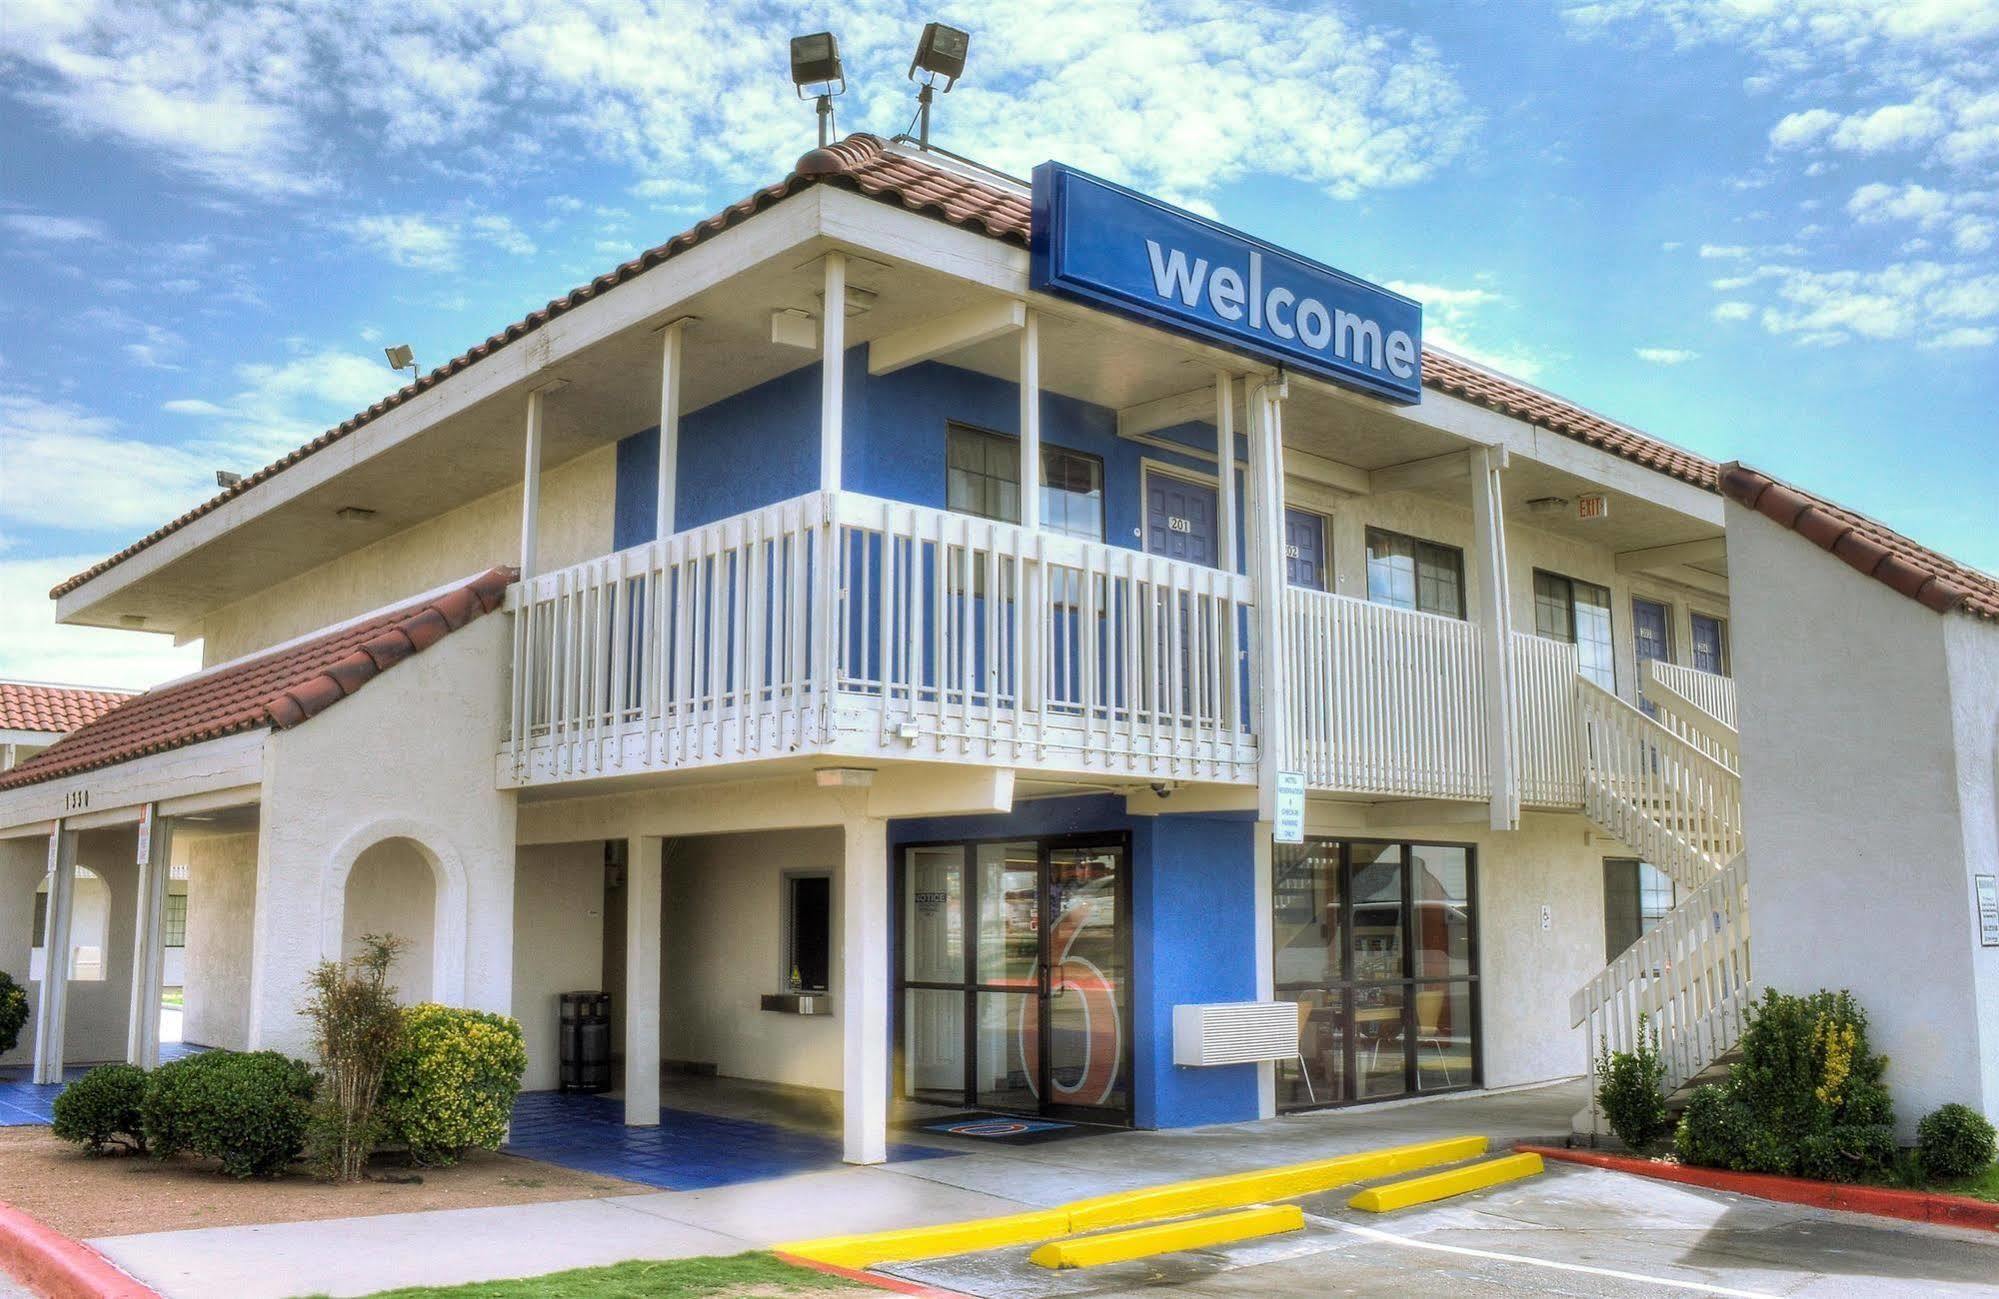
column 889, row 1283
column 1882, row 1201
column 56, row 1267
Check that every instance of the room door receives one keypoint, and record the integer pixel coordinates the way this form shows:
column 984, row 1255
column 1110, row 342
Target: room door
column 1031, row 1015
column 1652, row 638
column 1180, row 518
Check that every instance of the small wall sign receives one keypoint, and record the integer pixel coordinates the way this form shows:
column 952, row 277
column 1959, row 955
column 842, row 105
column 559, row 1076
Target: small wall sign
column 1988, row 910
column 1592, row 505
column 1289, row 825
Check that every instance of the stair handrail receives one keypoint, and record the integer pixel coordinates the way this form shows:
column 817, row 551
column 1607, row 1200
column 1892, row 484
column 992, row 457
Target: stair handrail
column 1700, row 711
column 1677, row 805
column 1689, row 976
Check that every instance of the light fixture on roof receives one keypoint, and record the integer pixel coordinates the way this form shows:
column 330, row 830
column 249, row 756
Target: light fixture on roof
column 354, row 513
column 1548, row 504
column 227, row 478
column 401, row 358
column 940, row 52
column 815, row 61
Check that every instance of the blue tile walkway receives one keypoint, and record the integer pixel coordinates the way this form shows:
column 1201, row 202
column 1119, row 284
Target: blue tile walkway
column 688, row 1151
column 23, row 1103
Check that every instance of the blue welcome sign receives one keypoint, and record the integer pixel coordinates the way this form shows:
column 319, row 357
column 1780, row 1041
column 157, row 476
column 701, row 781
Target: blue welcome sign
column 1113, row 248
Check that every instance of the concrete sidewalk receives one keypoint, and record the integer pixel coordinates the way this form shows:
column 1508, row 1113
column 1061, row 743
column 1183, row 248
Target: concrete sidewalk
column 358, row 1256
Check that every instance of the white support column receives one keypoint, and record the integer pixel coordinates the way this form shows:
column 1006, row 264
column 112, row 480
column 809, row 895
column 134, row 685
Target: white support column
column 531, row 485
column 155, row 862
column 669, row 427
column 1225, row 467
column 1496, row 634
column 864, row 988
column 1266, row 572
column 1030, row 422
column 832, row 372
column 51, row 1009
column 1266, row 961
column 644, row 883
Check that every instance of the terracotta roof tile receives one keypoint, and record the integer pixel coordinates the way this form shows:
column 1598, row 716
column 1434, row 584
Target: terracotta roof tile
column 28, row 706
column 864, row 164
column 281, row 688
column 1929, row 577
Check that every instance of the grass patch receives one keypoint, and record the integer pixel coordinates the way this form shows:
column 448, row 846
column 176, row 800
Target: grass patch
column 758, row 1273
column 1985, row 1186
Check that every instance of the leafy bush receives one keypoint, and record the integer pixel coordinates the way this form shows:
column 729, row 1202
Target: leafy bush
column 357, row 1028
column 1630, row 1090
column 1805, row 1098
column 1954, row 1141
column 102, row 1108
column 452, row 1085
column 13, row 1012
column 250, row 1110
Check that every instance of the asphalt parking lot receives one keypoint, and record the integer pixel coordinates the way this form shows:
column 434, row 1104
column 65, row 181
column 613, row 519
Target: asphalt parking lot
column 1570, row 1231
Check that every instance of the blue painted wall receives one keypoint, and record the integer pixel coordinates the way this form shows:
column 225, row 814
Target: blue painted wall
column 1193, row 925
column 762, row 446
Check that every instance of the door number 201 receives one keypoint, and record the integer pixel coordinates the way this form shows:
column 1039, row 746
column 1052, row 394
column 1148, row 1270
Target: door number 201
column 1174, row 523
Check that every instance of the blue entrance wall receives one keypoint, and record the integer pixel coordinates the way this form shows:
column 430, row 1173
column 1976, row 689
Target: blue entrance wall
column 1193, row 935
column 762, row 446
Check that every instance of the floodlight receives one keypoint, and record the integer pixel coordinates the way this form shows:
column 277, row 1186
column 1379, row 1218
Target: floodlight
column 940, row 51
column 401, row 358
column 815, row 61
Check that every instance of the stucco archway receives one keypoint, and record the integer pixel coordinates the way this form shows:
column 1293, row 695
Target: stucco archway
column 386, row 865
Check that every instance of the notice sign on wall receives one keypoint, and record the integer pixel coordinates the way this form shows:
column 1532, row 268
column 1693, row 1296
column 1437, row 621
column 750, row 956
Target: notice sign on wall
column 1988, row 910
column 1289, row 824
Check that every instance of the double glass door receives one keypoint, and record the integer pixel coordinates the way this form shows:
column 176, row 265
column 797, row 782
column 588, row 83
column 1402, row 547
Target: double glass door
column 1014, row 978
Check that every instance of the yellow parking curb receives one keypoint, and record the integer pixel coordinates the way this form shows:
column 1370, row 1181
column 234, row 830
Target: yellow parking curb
column 1124, row 1208
column 914, row 1243
column 1439, row 1186
column 1234, row 1190
column 1170, row 1237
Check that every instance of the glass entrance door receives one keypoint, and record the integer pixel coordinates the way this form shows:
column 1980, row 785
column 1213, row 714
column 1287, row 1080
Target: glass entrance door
column 1032, row 1015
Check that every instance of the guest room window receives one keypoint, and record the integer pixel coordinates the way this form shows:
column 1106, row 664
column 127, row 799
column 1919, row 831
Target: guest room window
column 984, row 479
column 808, row 932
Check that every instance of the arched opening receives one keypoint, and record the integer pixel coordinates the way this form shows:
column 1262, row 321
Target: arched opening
column 89, row 928
column 392, row 889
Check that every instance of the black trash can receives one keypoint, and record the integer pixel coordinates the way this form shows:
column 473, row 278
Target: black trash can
column 586, row 1041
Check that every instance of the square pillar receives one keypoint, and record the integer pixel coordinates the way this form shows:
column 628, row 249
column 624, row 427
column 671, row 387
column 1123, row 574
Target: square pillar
column 864, row 988
column 1030, row 422
column 1266, row 572
column 1266, row 958
column 832, row 372
column 155, row 861
column 1496, row 633
column 644, row 881
column 51, row 1008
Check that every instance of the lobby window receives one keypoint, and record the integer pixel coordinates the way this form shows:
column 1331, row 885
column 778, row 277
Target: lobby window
column 1636, row 897
column 1710, row 644
column 984, row 479
column 1410, row 573
column 1579, row 613
column 808, row 932
column 1377, row 946
column 173, row 922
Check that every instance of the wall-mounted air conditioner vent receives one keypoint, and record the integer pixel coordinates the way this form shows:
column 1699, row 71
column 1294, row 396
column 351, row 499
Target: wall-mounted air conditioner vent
column 1235, row 1032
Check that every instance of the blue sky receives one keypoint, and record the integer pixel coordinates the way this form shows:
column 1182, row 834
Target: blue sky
column 1760, row 229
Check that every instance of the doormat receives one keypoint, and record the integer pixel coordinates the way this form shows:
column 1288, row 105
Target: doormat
column 1005, row 1129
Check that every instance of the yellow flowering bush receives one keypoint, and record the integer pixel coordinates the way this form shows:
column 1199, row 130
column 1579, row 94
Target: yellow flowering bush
column 452, row 1085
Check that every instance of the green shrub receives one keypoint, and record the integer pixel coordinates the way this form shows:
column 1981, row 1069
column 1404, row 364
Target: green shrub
column 13, row 1012
column 1954, row 1141
column 1630, row 1090
column 1806, row 1097
column 102, row 1108
column 452, row 1085
column 250, row 1110
column 356, row 1030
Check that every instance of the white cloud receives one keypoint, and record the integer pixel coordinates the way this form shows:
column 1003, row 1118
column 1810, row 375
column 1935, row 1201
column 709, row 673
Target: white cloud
column 1734, row 310
column 409, row 240
column 72, row 471
column 1177, row 96
column 1452, row 320
column 52, row 229
column 1797, row 130
column 1666, row 355
column 35, row 647
column 1723, row 252
column 1965, row 336
column 503, row 234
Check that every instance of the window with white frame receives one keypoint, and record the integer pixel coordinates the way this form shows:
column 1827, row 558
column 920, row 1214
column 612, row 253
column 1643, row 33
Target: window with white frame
column 1636, row 897
column 808, row 931
column 1410, row 573
column 983, row 478
column 1577, row 612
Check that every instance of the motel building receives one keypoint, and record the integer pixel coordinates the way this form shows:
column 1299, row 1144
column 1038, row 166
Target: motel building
column 945, row 640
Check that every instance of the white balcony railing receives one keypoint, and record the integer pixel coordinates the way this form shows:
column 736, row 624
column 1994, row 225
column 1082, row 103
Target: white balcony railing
column 1666, row 797
column 845, row 623
column 1545, row 722
column 1384, row 700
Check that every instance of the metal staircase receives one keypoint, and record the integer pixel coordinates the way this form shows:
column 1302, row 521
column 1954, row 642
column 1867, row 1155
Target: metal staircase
column 1669, row 787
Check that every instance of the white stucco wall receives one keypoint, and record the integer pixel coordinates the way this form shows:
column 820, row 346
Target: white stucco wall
column 722, row 934
column 408, row 756
column 1971, row 650
column 558, row 945
column 1852, row 797
column 575, row 524
column 221, row 914
column 89, row 927
column 22, row 864
column 392, row 892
